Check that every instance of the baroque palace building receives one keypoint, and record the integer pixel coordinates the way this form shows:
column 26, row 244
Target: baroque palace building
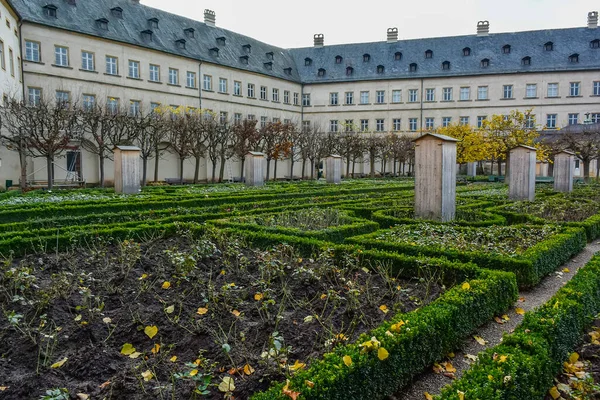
column 124, row 54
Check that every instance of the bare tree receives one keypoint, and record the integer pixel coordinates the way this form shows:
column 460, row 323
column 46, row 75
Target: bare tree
column 271, row 143
column 151, row 133
column 96, row 124
column 14, row 115
column 245, row 139
column 179, row 137
column 584, row 141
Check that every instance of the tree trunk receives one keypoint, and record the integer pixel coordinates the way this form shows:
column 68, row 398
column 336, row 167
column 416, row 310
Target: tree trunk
column 101, row 166
column 242, row 170
column 222, row 170
column 196, row 170
column 144, row 170
column 156, row 159
column 181, row 160
column 23, row 162
column 372, row 164
column 312, row 170
column 214, row 171
column 348, row 166
column 268, row 168
column 499, row 167
column 275, row 170
column 394, row 167
column 303, row 167
column 353, row 168
column 586, row 170
column 292, row 168
column 51, row 177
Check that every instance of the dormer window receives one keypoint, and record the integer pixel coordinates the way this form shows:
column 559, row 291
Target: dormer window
column 338, row 59
column 247, row 48
column 466, row 51
column 349, row 71
column 221, row 41
column 574, row 58
column 102, row 23
column 398, row 56
column 429, row 54
column 50, row 10
column 595, row 44
column 268, row 65
column 412, row 67
column 117, row 12
column 147, row 35
column 506, row 49
column 214, row 52
column 288, row 71
column 244, row 60
column 366, row 57
column 180, row 44
column 549, row 46
column 485, row 63
column 321, row 72
column 307, row 62
column 153, row 23
column 190, row 33
column 446, row 65
column 380, row 69
column 526, row 61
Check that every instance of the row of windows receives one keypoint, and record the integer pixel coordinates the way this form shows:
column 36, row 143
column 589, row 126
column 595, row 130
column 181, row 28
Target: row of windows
column 11, row 60
column 430, row 123
column 508, row 92
column 287, row 98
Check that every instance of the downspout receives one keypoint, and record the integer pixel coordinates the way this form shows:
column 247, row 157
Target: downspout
column 200, row 85
column 421, row 108
column 22, row 77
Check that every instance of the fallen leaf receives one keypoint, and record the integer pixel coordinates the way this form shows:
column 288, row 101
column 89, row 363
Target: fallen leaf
column 194, row 372
column 437, row 368
column 290, row 393
column 106, row 320
column 147, row 375
column 382, row 353
column 471, row 357
column 490, row 378
column 78, row 318
column 170, row 309
column 503, row 359
column 248, row 370
column 347, row 360
column 3, row 388
column 309, row 384
column 227, row 385
column 173, row 359
column 258, row 296
column 156, row 348
column 522, row 299
column 506, row 317
column 104, row 385
column 151, row 331
column 202, row 311
column 566, row 270
column 428, row 396
column 135, row 355
column 166, row 285
column 520, row 311
column 449, row 367
column 573, row 358
column 554, row 392
column 127, row 349
column 323, row 296
column 59, row 364
column 144, row 276
column 461, row 395
column 499, row 320
column 466, row 286
column 297, row 365
column 384, row 308
column 236, row 313
column 480, row 340
column 83, row 396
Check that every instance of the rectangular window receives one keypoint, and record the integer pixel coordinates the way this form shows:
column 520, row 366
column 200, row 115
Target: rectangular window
column 380, row 125
column 223, row 118
column 380, row 96
column 11, row 61
column 333, row 126
column 296, row 98
column 275, row 95
column 276, row 119
column 464, row 120
column 531, row 90
column 413, row 95
column 87, row 61
column 482, row 93
column 222, row 85
column 507, row 92
column 35, row 96
column 447, row 92
column 112, row 65
column 465, row 93
column 251, row 93
column 446, row 121
column 89, row 101
column 553, row 90
column 251, row 117
column 263, row 93
column 364, row 125
column 207, row 83
column 551, row 121
column 173, row 76
column 530, row 121
column 306, row 99
column 134, row 69
column 364, row 97
column 349, row 97
column 191, row 79
column 597, row 88
column 397, row 124
column 396, row 96
column 575, row 89
column 596, row 118
column 573, row 119
column 154, row 106
column 333, row 99
column 237, row 118
column 61, row 56
column 429, row 94
column 305, row 126
column 263, row 122
column 480, row 120
column 286, row 97
column 112, row 105
column 134, row 107
column 154, row 73
column 349, row 125
column 413, row 124
column 237, row 88
column 429, row 123
column 62, row 98
column 32, row 51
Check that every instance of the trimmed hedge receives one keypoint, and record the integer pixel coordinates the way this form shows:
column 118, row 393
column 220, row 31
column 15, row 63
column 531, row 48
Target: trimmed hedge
column 538, row 347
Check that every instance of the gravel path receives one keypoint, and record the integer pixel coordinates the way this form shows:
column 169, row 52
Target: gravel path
column 492, row 331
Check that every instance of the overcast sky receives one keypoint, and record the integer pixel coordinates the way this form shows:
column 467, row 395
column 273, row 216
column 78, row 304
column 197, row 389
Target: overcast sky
column 292, row 23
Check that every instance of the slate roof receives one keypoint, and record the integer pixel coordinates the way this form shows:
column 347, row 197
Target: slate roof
column 566, row 42
column 82, row 18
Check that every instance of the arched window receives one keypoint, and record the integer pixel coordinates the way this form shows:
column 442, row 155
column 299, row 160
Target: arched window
column 574, row 58
column 398, row 56
column 349, row 71
column 526, row 61
column 485, row 63
column 446, row 65
column 595, row 44
column 366, row 57
column 338, row 59
column 380, row 69
column 549, row 46
column 321, row 72
column 467, row 51
column 429, row 54
column 506, row 49
column 307, row 62
column 412, row 67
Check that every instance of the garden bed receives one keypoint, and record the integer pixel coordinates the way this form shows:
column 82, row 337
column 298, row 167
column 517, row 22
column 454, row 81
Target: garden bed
column 173, row 316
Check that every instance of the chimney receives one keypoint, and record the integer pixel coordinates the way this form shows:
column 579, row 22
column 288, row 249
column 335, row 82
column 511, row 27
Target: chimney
column 483, row 28
column 319, row 40
column 392, row 35
column 593, row 19
column 210, row 17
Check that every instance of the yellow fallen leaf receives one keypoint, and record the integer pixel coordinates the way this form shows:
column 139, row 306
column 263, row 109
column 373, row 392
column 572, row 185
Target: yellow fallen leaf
column 147, row 375
column 202, row 311
column 466, row 286
column 554, row 392
column 59, row 364
column 135, row 355
column 449, row 367
column 297, row 365
column 173, row 359
column 290, row 393
column 227, row 385
column 127, row 349
column 461, row 395
column 83, row 396
column 490, row 378
column 566, row 270
column 151, row 331
column 347, row 360
column 78, row 318
column 520, row 311
column 384, row 308
column 166, row 285
column 144, row 276
column 258, row 296
column 223, row 272
column 236, row 313
column 170, row 309
column 396, row 327
column 194, row 372
column 573, row 358
column 382, row 353
column 480, row 340
column 197, row 362
column 248, row 370
column 428, row 396
column 156, row 348
column 506, row 317
column 3, row 388
column 309, row 384
column 471, row 357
